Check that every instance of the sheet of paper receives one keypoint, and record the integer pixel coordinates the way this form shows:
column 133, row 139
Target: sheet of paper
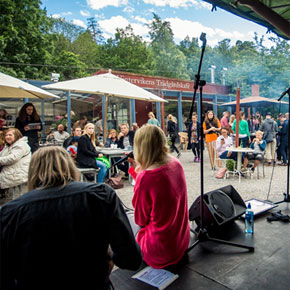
column 156, row 277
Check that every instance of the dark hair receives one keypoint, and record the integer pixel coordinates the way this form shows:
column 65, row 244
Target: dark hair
column 5, row 115
column 23, row 115
column 225, row 128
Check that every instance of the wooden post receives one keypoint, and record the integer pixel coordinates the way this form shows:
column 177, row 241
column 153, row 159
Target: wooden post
column 237, row 116
column 105, row 121
column 162, row 114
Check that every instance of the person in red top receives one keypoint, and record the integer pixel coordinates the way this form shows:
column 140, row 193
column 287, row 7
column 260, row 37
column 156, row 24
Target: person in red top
column 160, row 199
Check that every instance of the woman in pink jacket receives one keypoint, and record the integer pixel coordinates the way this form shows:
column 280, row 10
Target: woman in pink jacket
column 160, row 199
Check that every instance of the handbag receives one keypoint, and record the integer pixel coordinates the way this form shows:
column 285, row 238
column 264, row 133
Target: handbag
column 221, row 173
column 116, row 182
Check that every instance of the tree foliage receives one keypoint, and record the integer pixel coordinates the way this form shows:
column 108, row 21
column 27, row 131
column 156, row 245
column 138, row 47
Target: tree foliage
column 33, row 45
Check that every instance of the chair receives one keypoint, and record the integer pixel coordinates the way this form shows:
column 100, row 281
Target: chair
column 93, row 171
column 183, row 138
column 262, row 163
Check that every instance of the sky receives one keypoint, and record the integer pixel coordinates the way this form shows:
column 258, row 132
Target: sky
column 187, row 18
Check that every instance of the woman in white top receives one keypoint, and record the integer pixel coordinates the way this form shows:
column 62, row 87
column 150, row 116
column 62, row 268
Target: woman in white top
column 224, row 141
column 14, row 161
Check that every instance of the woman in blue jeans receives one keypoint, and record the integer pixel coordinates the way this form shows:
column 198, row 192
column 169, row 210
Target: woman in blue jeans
column 87, row 152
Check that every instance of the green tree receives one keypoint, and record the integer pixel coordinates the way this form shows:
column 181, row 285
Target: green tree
column 125, row 52
column 69, row 66
column 191, row 51
column 94, row 29
column 87, row 49
column 167, row 59
column 24, row 37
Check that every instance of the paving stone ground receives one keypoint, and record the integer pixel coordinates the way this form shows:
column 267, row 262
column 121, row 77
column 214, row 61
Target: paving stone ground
column 248, row 187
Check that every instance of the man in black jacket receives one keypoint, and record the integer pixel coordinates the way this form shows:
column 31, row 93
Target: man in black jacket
column 57, row 235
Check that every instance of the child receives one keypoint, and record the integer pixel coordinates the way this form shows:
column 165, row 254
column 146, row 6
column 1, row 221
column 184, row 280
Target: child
column 73, row 149
column 259, row 146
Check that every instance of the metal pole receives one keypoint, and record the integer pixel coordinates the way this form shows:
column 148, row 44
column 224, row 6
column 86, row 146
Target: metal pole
column 68, row 108
column 237, row 117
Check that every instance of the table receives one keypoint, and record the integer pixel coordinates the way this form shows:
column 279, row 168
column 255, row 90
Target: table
column 239, row 150
column 111, row 153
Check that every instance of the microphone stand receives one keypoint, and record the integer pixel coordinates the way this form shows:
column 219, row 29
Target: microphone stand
column 202, row 235
column 286, row 195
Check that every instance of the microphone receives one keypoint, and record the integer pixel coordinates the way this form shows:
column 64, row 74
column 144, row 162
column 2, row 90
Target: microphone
column 203, row 39
column 131, row 155
column 283, row 94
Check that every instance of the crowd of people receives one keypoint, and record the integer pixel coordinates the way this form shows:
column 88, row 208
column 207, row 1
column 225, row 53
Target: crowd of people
column 270, row 134
column 79, row 222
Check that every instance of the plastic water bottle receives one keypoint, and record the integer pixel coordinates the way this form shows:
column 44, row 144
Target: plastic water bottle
column 249, row 220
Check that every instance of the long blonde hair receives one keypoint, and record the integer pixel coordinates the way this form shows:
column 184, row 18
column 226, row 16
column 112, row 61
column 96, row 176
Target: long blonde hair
column 93, row 136
column 151, row 115
column 51, row 166
column 150, row 146
column 172, row 118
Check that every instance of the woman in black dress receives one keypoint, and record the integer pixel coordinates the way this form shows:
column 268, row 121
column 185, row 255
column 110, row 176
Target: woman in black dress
column 28, row 115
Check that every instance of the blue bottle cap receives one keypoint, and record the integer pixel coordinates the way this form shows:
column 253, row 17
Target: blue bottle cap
column 249, row 205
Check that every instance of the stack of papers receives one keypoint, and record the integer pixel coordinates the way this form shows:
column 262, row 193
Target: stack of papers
column 158, row 278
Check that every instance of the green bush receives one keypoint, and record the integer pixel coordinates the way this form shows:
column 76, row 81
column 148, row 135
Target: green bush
column 231, row 165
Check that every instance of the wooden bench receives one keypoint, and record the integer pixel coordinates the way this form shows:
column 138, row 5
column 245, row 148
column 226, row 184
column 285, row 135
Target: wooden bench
column 93, row 171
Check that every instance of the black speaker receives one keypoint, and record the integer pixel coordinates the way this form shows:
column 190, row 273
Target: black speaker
column 220, row 206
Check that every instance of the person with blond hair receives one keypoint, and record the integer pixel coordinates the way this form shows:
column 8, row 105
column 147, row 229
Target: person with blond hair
column 160, row 199
column 211, row 130
column 87, row 152
column 14, row 161
column 259, row 146
column 52, row 235
column 172, row 132
column 152, row 120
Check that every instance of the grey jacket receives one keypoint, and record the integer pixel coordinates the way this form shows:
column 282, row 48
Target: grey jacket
column 270, row 129
column 14, row 161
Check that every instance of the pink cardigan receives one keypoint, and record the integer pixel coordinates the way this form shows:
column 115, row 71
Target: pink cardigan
column 161, row 210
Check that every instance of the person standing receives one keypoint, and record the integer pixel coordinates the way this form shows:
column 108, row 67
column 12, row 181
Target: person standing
column 87, row 152
column 28, row 115
column 172, row 131
column 152, row 120
column 283, row 133
column 211, row 129
column 194, row 137
column 269, row 128
column 63, row 234
column 99, row 128
column 244, row 133
column 224, row 120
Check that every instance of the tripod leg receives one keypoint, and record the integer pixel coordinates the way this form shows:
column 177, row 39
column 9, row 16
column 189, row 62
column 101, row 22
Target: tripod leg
column 193, row 245
column 250, row 248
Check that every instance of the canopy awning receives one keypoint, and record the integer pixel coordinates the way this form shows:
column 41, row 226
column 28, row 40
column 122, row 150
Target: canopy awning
column 274, row 14
column 254, row 101
column 14, row 88
column 106, row 84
